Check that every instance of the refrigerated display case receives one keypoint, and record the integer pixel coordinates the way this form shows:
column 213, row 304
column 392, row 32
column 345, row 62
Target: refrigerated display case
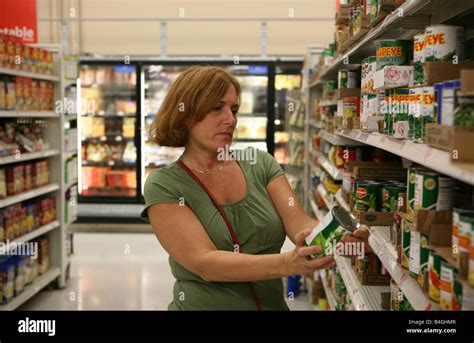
column 107, row 133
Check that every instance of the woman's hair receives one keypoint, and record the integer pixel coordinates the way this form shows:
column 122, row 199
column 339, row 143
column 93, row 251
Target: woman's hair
column 194, row 93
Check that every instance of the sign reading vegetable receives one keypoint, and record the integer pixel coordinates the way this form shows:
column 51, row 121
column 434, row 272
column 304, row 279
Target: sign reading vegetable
column 18, row 18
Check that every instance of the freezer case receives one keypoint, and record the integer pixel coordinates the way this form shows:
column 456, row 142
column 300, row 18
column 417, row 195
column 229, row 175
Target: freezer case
column 108, row 156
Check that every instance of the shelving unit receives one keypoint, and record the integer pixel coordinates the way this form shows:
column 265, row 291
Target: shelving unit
column 337, row 139
column 362, row 297
column 53, row 133
column 422, row 154
column 380, row 243
column 330, row 168
column 28, row 156
column 329, row 294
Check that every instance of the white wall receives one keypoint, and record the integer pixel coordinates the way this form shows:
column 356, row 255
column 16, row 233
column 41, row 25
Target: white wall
column 187, row 38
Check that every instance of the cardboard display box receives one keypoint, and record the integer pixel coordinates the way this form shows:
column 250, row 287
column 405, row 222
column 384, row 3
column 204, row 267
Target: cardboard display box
column 375, row 218
column 437, row 223
column 441, row 71
column 393, row 76
column 467, row 81
column 381, row 171
column 347, row 93
column 342, row 17
column 368, row 279
column 451, row 139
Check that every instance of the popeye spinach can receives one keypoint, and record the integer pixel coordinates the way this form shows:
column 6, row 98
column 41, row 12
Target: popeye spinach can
column 393, row 52
column 443, row 42
column 433, row 191
column 419, row 59
column 335, row 224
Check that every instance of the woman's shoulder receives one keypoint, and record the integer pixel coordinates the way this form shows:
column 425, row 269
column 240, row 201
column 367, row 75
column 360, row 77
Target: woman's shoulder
column 167, row 175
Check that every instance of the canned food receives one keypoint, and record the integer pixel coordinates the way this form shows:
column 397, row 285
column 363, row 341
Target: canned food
column 419, row 59
column 414, row 264
column 424, row 257
column 448, row 101
column 471, row 261
column 400, row 110
column 350, row 107
column 406, row 235
column 466, row 223
column 457, row 295
column 433, row 192
column 330, row 230
column 434, row 266
column 457, row 213
column 427, row 112
column 396, row 295
column 390, row 196
column 415, row 112
column 443, row 42
column 368, row 196
column 411, row 179
column 393, row 52
column 346, row 79
column 446, row 286
column 339, row 157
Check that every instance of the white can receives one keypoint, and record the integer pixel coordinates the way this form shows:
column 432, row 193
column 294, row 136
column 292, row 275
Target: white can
column 419, row 59
column 443, row 42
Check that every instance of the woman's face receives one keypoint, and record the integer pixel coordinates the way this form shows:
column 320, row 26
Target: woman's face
column 215, row 131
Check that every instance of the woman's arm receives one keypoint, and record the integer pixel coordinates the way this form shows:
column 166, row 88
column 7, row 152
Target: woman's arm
column 183, row 237
column 294, row 217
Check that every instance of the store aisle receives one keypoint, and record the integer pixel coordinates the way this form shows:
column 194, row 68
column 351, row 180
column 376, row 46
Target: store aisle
column 111, row 271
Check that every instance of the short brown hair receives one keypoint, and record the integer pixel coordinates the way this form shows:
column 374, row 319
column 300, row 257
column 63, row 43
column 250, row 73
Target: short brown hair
column 194, row 93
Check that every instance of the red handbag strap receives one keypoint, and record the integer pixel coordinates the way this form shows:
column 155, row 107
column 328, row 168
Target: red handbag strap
column 235, row 239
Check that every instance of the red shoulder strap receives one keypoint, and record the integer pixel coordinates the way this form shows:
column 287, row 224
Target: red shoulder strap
column 235, row 239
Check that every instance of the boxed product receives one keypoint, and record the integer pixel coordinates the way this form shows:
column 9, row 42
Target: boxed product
column 20, row 263
column 393, row 76
column 7, row 279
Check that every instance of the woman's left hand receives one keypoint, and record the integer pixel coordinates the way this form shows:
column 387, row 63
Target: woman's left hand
column 361, row 235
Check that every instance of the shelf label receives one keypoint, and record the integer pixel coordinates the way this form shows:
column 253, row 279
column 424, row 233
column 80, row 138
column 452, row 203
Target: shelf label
column 364, row 136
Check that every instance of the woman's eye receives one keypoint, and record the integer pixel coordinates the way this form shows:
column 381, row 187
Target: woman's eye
column 234, row 111
column 216, row 109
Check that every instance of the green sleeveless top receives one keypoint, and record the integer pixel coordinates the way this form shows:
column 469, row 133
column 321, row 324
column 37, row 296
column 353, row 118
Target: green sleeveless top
column 255, row 220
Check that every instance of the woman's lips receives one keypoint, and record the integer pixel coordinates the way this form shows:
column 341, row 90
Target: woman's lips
column 225, row 134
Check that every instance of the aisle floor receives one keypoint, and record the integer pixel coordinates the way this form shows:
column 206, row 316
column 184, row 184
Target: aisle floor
column 115, row 271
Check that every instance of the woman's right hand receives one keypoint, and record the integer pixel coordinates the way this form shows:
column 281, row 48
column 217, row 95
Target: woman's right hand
column 299, row 260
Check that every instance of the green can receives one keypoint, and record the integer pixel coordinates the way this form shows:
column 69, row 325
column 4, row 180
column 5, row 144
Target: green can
column 330, row 230
column 406, row 236
column 400, row 112
column 330, row 85
column 393, row 52
column 368, row 196
column 411, row 179
column 419, row 59
column 346, row 79
column 390, row 196
column 424, row 258
column 433, row 191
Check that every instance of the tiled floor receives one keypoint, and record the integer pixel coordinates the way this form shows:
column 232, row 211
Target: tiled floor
column 119, row 271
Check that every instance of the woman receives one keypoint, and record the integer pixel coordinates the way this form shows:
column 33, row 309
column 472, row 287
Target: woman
column 231, row 263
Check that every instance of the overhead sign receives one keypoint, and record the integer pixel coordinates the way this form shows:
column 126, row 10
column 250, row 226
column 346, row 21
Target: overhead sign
column 18, row 18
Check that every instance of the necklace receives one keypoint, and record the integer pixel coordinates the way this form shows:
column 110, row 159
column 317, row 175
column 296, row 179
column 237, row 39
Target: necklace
column 221, row 165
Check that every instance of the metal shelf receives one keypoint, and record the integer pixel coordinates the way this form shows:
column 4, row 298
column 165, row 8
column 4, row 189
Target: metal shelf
column 28, row 156
column 315, row 124
column 338, row 140
column 30, row 114
column 28, row 195
column 37, row 232
column 380, row 242
column 38, row 76
column 362, row 297
column 422, row 154
column 30, row 290
column 329, row 294
column 335, row 173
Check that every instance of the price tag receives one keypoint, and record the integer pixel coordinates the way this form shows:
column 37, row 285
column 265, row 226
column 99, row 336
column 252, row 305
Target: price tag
column 364, row 136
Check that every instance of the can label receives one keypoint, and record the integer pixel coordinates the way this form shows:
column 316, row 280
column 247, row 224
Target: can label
column 399, row 105
column 419, row 59
column 433, row 192
column 347, row 79
column 414, row 265
column 427, row 112
column 446, row 286
column 424, row 256
column 392, row 52
column 330, row 230
column 443, row 42
column 406, row 236
column 434, row 266
column 350, row 107
column 411, row 179
column 368, row 196
column 391, row 193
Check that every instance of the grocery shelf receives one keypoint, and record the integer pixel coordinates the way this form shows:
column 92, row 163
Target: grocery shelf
column 319, row 214
column 37, row 232
column 435, row 159
column 108, row 164
column 330, row 168
column 28, row 195
column 28, row 156
column 325, row 195
column 392, row 27
column 379, row 240
column 38, row 76
column 29, row 114
column 340, row 200
column 362, row 297
column 315, row 124
column 109, row 138
column 30, row 290
column 337, row 139
column 329, row 294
